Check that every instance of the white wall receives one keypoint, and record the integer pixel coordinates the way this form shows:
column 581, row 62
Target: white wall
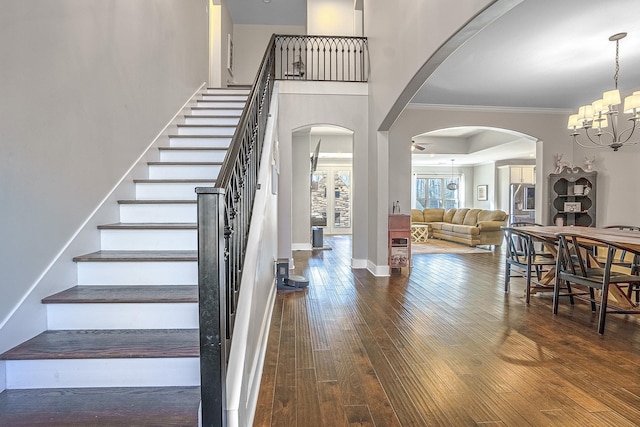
column 485, row 175
column 220, row 28
column 249, row 44
column 300, row 192
column 257, row 292
column 617, row 194
column 331, row 17
column 86, row 86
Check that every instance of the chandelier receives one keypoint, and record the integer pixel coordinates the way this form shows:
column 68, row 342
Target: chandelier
column 452, row 185
column 600, row 119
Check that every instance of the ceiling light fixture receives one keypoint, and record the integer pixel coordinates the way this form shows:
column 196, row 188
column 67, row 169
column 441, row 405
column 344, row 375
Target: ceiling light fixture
column 452, row 185
column 603, row 113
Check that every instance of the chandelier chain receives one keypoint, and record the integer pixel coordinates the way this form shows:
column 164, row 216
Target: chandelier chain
column 615, row 76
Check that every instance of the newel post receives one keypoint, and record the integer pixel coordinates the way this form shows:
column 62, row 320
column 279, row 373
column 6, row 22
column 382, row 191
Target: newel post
column 211, row 305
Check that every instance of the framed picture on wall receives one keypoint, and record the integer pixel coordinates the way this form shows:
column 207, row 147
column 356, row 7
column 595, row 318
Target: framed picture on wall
column 482, row 192
column 229, row 54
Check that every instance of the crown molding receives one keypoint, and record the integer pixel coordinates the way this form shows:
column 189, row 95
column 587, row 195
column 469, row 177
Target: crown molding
column 489, row 109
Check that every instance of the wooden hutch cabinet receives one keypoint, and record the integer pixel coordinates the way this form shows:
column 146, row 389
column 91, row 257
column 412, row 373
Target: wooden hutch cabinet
column 399, row 241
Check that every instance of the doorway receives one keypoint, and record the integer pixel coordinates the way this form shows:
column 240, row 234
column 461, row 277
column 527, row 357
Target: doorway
column 322, row 184
column 331, row 199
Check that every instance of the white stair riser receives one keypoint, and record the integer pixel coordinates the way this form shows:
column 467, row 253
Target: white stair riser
column 228, row 91
column 169, row 191
column 148, row 240
column 183, row 171
column 122, row 316
column 158, row 213
column 192, row 155
column 205, row 120
column 134, row 372
column 207, row 130
column 218, row 104
column 138, row 272
column 217, row 112
column 213, row 142
column 221, row 97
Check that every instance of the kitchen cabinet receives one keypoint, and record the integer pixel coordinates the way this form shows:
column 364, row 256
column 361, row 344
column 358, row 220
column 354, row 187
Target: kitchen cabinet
column 522, row 174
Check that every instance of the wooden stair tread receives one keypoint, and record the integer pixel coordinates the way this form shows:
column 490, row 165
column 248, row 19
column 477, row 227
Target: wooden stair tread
column 198, row 136
column 213, row 116
column 184, row 163
column 192, row 149
column 98, row 407
column 125, row 294
column 222, row 101
column 203, row 125
column 216, row 108
column 149, row 226
column 114, row 256
column 156, row 201
column 174, row 181
column 108, row 344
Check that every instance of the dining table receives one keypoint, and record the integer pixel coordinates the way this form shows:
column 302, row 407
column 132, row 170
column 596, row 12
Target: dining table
column 630, row 239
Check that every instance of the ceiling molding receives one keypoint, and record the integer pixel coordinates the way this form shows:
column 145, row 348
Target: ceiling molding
column 488, row 108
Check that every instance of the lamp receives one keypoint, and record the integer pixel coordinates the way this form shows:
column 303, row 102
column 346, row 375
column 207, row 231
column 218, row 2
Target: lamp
column 452, row 185
column 604, row 112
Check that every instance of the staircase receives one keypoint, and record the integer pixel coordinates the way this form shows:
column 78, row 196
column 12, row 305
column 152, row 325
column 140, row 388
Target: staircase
column 122, row 345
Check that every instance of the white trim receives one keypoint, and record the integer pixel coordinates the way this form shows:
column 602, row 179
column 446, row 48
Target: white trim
column 306, row 87
column 3, row 376
column 378, row 270
column 358, row 263
column 88, row 219
column 301, row 247
column 489, row 109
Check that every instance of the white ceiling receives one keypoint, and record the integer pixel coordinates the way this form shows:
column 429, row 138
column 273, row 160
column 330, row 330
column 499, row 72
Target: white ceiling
column 543, row 54
column 273, row 12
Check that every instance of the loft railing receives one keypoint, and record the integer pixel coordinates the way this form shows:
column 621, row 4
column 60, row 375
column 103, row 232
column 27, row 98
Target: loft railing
column 224, row 211
column 321, row 58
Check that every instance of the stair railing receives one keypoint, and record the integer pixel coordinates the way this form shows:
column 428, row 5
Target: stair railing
column 224, row 211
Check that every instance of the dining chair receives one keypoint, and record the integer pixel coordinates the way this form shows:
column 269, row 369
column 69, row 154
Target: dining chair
column 582, row 274
column 527, row 253
column 631, row 262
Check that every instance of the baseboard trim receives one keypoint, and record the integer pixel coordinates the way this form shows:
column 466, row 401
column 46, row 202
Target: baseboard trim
column 358, row 263
column 378, row 270
column 301, row 247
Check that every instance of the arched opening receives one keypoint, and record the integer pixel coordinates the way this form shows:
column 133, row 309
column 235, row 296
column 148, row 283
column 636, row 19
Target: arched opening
column 492, row 168
column 322, row 185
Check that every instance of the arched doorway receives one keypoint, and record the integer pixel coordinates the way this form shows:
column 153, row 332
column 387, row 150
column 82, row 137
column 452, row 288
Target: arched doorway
column 322, row 182
column 495, row 169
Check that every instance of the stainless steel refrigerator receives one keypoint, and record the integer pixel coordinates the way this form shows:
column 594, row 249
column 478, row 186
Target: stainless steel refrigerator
column 522, row 203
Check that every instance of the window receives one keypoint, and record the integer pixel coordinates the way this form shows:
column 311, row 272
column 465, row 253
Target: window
column 432, row 192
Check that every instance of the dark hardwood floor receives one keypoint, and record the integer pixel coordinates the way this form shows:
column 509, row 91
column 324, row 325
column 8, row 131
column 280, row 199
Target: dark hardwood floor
column 440, row 345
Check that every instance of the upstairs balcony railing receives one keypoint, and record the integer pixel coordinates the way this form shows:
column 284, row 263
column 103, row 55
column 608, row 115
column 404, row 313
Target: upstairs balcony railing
column 224, row 211
column 321, row 58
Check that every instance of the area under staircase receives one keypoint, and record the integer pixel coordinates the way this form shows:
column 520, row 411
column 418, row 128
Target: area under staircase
column 124, row 340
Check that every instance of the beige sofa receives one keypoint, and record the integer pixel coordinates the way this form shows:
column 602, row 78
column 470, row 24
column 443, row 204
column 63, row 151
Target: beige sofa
column 470, row 226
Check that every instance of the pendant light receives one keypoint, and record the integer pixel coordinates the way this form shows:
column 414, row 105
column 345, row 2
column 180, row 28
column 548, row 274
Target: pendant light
column 452, row 185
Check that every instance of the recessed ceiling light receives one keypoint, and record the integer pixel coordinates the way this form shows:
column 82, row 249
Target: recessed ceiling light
column 266, row 1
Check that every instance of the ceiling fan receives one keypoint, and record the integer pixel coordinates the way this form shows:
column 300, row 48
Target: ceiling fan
column 416, row 146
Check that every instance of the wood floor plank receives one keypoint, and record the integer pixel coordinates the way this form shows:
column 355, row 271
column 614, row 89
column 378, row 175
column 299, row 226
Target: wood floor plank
column 441, row 344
